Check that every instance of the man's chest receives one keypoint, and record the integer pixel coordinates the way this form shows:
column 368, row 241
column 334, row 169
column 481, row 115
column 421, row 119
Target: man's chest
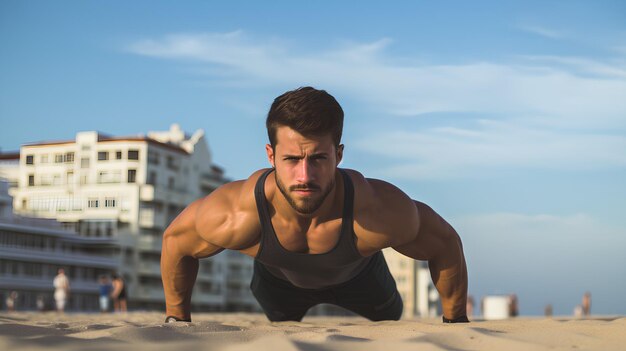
column 312, row 240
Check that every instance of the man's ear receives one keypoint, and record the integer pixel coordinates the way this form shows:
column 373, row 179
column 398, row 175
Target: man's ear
column 339, row 153
column 270, row 154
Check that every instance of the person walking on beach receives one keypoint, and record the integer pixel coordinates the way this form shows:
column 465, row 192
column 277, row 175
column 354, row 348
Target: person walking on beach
column 586, row 304
column 316, row 231
column 61, row 289
column 119, row 293
column 105, row 293
column 11, row 301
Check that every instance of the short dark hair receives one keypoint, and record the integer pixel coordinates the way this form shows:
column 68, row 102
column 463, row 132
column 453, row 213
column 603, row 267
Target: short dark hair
column 308, row 111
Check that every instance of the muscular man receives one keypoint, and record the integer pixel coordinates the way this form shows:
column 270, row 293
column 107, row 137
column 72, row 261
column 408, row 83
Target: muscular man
column 314, row 230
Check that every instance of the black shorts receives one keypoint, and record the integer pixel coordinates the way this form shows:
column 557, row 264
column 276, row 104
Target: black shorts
column 371, row 294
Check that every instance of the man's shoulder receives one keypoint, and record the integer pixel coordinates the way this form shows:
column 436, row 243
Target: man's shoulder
column 382, row 211
column 228, row 216
column 374, row 192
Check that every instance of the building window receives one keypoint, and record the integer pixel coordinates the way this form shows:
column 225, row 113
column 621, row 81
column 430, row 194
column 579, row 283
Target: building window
column 109, row 202
column 69, row 157
column 153, row 157
column 152, row 178
column 133, row 154
column 29, row 159
column 44, row 158
column 84, row 162
column 45, row 179
column 58, row 158
column 107, row 177
column 92, row 203
column 170, row 183
column 118, row 155
column 31, row 180
column 132, row 174
column 172, row 163
column 103, row 155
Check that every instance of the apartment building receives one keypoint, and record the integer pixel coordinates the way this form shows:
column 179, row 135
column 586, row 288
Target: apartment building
column 130, row 189
column 33, row 249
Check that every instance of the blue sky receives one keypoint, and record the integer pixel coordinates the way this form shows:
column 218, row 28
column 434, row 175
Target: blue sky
column 508, row 119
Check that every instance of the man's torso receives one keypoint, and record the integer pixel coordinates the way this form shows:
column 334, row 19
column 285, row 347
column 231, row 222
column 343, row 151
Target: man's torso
column 383, row 217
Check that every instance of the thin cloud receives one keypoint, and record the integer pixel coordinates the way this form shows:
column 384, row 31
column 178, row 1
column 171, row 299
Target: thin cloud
column 476, row 151
column 541, row 31
column 547, row 111
column 555, row 91
column 583, row 66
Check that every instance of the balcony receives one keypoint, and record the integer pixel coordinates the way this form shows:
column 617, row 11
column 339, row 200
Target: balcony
column 149, row 243
column 24, row 282
column 150, row 268
column 154, row 293
column 210, row 182
column 150, row 193
column 57, row 257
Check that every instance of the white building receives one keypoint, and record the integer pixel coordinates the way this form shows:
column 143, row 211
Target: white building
column 130, row 189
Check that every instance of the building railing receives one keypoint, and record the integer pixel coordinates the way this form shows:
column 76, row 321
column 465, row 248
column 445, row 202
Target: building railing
column 62, row 257
column 149, row 243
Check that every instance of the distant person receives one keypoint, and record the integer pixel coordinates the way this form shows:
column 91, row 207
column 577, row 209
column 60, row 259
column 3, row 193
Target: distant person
column 586, row 304
column 11, row 301
column 119, row 293
column 40, row 303
column 513, row 306
column 61, row 289
column 547, row 311
column 470, row 306
column 105, row 293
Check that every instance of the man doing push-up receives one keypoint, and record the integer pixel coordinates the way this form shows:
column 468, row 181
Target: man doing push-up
column 315, row 231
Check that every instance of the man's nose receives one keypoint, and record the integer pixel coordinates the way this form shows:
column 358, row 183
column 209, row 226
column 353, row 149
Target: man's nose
column 305, row 172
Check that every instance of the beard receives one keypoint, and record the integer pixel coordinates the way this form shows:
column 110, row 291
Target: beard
column 306, row 205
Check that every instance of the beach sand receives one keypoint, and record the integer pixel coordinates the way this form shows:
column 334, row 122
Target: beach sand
column 248, row 331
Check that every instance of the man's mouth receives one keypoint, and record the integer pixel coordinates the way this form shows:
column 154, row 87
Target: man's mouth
column 305, row 190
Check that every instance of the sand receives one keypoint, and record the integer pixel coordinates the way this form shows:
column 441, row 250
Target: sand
column 235, row 332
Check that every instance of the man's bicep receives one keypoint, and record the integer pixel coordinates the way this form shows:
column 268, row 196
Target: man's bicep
column 432, row 233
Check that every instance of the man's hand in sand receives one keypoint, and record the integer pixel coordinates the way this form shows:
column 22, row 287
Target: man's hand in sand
column 315, row 231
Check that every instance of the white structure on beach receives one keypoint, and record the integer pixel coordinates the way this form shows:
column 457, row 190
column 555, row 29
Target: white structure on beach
column 129, row 189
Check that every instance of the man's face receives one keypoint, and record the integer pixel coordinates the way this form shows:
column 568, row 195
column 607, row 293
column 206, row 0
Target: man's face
column 305, row 167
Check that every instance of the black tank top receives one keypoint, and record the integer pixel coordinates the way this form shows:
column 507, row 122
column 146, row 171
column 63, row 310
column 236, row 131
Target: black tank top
column 310, row 271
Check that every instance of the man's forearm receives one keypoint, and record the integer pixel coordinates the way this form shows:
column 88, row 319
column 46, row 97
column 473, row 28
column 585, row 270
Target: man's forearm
column 179, row 276
column 449, row 273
